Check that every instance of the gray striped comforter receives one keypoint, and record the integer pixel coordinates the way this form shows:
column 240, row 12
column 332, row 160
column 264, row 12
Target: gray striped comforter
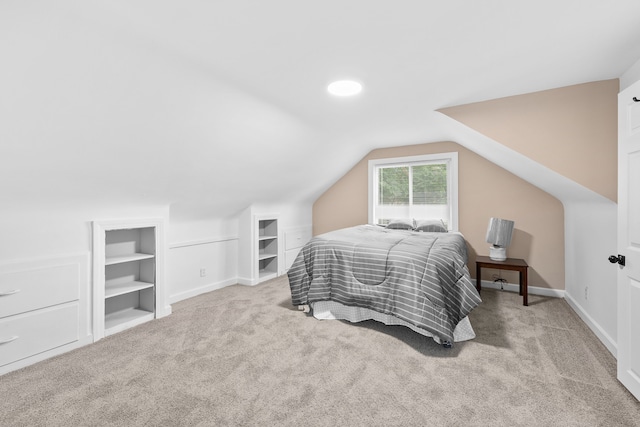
column 421, row 278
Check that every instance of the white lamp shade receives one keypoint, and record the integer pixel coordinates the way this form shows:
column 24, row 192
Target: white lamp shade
column 499, row 232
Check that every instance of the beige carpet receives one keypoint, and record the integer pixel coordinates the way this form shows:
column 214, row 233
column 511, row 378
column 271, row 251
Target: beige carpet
column 243, row 356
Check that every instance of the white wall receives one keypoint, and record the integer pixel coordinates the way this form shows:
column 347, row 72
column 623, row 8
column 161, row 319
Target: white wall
column 590, row 285
column 201, row 266
column 40, row 230
column 200, row 241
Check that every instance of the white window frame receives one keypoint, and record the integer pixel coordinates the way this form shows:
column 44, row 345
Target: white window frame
column 452, row 179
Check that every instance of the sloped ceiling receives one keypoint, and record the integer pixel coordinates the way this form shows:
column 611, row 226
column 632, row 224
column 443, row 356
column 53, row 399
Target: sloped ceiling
column 214, row 105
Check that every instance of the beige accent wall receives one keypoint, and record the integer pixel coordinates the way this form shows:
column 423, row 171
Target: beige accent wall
column 572, row 130
column 485, row 190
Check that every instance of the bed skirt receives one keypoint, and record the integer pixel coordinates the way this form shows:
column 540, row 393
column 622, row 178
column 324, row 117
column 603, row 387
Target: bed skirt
column 331, row 310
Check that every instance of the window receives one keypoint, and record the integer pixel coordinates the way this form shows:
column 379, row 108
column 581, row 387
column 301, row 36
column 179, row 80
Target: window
column 420, row 187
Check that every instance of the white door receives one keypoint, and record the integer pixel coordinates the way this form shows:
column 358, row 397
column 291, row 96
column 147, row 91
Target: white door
column 629, row 238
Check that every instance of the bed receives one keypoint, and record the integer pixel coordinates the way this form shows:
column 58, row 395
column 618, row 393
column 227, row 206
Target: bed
column 398, row 277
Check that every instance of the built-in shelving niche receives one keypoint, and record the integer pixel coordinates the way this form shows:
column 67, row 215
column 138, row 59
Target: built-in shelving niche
column 267, row 235
column 128, row 285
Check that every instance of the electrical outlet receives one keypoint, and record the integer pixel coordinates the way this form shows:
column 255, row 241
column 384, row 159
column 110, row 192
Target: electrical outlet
column 203, row 272
column 586, row 292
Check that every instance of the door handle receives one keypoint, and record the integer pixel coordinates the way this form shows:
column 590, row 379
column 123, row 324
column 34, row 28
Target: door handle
column 613, row 259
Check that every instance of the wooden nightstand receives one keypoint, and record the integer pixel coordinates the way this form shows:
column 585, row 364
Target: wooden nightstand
column 513, row 264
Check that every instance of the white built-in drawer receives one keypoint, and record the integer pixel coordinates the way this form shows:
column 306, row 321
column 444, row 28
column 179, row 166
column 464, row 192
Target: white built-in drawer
column 294, row 239
column 22, row 291
column 25, row 335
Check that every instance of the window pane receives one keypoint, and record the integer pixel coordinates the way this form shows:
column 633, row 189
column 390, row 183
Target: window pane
column 430, row 184
column 393, row 186
column 415, row 187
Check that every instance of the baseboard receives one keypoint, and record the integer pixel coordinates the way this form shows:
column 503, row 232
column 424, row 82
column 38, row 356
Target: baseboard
column 212, row 287
column 162, row 312
column 533, row 290
column 246, row 282
column 593, row 325
column 202, row 290
column 252, row 282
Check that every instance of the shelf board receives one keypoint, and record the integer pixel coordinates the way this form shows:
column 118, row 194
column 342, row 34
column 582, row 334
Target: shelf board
column 267, row 237
column 124, row 319
column 119, row 259
column 266, row 256
column 113, row 290
column 265, row 275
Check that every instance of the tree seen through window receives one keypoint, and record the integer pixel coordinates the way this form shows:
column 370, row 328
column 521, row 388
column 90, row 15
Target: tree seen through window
column 428, row 185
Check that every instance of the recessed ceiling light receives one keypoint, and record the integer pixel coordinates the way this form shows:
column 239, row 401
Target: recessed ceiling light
column 344, row 88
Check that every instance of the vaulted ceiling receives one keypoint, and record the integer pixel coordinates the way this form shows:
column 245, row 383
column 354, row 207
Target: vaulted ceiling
column 214, row 105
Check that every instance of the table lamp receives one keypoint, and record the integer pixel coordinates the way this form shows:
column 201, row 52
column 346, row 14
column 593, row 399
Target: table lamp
column 499, row 235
